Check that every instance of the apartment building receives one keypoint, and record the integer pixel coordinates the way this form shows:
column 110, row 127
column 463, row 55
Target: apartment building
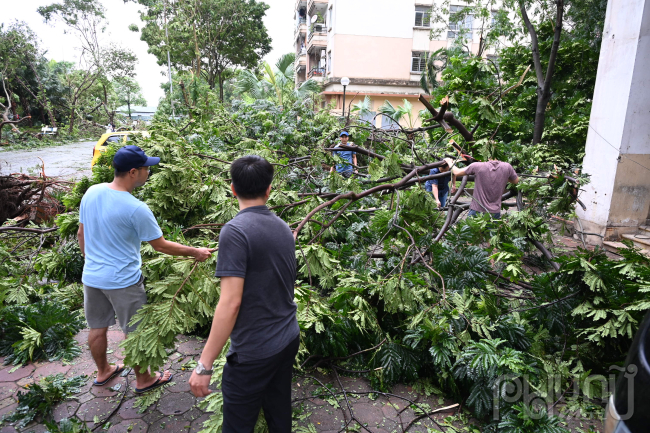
column 378, row 44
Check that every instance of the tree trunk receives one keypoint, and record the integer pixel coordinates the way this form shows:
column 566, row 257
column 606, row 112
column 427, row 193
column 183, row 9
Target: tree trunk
column 220, row 86
column 543, row 82
column 72, row 112
column 540, row 116
column 128, row 107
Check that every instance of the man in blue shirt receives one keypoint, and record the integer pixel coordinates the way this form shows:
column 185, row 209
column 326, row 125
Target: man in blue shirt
column 112, row 226
column 348, row 155
column 439, row 187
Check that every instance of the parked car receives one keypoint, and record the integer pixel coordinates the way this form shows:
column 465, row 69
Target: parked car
column 628, row 410
column 112, row 137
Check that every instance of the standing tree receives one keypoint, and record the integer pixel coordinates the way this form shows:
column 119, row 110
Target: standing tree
column 206, row 36
column 129, row 93
column 277, row 84
column 86, row 18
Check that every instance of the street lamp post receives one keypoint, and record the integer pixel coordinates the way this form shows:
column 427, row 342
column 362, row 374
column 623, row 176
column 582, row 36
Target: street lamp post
column 345, row 81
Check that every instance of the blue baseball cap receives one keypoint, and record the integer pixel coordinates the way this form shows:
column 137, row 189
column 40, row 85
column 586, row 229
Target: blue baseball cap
column 344, row 133
column 131, row 156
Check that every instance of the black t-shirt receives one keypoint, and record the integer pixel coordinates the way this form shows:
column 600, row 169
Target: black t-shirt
column 258, row 246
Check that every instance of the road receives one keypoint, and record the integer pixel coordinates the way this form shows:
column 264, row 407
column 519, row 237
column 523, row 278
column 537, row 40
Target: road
column 66, row 161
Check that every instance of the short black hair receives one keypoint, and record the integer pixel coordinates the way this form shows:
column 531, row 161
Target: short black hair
column 120, row 173
column 251, row 176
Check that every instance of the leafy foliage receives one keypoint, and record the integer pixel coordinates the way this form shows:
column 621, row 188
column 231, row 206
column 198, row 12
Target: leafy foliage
column 42, row 330
column 41, row 397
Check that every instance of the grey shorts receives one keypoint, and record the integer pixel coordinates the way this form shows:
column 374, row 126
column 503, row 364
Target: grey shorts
column 101, row 306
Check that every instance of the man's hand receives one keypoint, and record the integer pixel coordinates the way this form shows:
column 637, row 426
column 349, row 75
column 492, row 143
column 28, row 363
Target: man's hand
column 199, row 383
column 438, row 203
column 203, row 254
column 453, row 190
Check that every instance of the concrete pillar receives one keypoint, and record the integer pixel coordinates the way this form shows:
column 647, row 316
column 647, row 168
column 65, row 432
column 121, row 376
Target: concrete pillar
column 618, row 142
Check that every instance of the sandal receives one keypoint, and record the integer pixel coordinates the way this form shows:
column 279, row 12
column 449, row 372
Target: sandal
column 118, row 370
column 157, row 384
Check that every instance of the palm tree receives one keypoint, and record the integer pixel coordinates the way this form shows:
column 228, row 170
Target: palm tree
column 364, row 108
column 435, row 63
column 401, row 112
column 276, row 84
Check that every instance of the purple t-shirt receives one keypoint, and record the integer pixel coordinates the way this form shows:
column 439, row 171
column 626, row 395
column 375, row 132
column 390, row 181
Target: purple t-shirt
column 490, row 182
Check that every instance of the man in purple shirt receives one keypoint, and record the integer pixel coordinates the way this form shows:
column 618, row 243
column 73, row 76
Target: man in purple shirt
column 490, row 180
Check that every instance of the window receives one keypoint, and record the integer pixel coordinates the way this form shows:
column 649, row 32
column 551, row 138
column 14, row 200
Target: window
column 329, row 62
column 418, row 62
column 329, row 18
column 422, row 16
column 369, row 117
column 388, row 123
column 462, row 22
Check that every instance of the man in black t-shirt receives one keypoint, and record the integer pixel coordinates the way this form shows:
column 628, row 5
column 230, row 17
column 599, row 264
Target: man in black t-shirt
column 257, row 266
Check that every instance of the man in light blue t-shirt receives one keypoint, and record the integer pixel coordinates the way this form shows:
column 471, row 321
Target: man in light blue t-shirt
column 112, row 226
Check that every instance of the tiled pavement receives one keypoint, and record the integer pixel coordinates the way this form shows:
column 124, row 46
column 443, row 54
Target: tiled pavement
column 177, row 410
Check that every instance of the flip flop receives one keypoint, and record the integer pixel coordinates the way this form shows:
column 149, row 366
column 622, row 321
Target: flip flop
column 117, row 371
column 157, row 384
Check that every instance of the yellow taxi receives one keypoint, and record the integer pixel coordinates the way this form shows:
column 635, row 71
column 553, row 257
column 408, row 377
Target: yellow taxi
column 112, row 137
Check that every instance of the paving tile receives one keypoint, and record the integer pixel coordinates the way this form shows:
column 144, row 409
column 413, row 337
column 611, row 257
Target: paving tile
column 50, row 368
column 107, row 390
column 368, row 412
column 35, row 428
column 24, row 371
column 83, row 366
column 170, row 424
column 7, row 402
column 181, row 382
column 65, row 409
column 327, row 419
column 8, row 409
column 151, row 415
column 86, row 396
column 129, row 426
column 191, row 347
column 176, row 403
column 197, row 424
column 127, row 411
column 8, row 429
column 8, row 389
column 100, row 407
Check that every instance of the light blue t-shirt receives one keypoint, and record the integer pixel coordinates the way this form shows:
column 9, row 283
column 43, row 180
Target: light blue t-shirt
column 115, row 225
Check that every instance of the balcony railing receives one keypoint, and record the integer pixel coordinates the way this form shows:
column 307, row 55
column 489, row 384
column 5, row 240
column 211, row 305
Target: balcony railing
column 317, row 39
column 316, row 72
column 313, row 3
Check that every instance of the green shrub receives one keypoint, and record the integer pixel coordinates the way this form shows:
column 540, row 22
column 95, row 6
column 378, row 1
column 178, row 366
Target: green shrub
column 43, row 330
column 41, row 398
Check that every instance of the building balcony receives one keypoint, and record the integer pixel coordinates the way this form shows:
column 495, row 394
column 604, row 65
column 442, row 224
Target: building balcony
column 301, row 29
column 313, row 4
column 317, row 40
column 301, row 60
column 317, row 74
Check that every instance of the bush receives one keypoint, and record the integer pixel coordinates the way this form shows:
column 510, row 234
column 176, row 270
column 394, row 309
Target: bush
column 41, row 398
column 43, row 330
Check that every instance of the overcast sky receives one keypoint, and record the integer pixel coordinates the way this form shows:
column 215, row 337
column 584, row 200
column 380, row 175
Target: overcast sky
column 61, row 46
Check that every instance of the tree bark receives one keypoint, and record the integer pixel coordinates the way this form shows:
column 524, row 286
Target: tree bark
column 543, row 82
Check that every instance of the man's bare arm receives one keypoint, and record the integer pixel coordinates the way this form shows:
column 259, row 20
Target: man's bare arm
column 458, row 172
column 164, row 246
column 514, row 182
column 225, row 316
column 80, row 238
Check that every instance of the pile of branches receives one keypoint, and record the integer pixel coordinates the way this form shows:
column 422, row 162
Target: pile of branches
column 27, row 198
column 390, row 287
